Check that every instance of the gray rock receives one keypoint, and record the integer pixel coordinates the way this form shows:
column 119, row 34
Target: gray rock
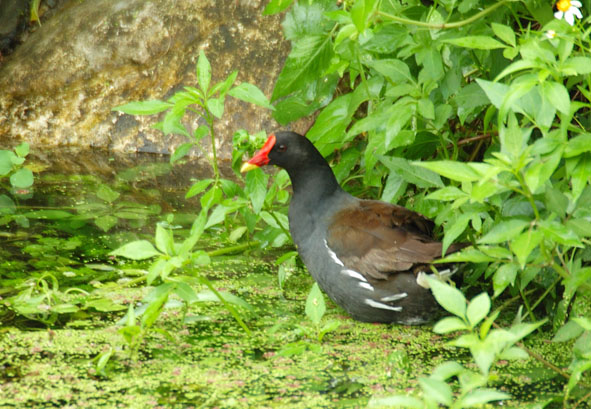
column 59, row 86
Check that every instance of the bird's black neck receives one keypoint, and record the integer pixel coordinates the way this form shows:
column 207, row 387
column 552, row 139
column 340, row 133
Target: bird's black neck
column 314, row 183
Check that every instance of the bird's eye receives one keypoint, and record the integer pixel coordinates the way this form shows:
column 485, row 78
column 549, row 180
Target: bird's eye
column 282, row 148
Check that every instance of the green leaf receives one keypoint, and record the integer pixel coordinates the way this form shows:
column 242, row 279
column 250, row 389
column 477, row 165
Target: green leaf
column 136, row 250
column 180, row 152
column 476, row 42
column 6, row 162
column 198, row 187
column 504, row 231
column 448, row 297
column 436, row 390
column 216, row 106
column 309, row 58
column 396, row 71
column 524, row 244
column 7, row 205
column 450, row 324
column 155, row 307
column 250, row 93
column 557, row 95
column 315, row 306
column 478, row 308
column 22, row 150
column 504, row 32
column 460, row 171
column 107, row 194
column 256, row 189
column 504, row 276
column 144, row 107
column 446, row 194
column 409, row 171
column 106, row 222
column 164, row 240
column 203, row 72
column 481, row 396
column 577, row 145
column 568, row 331
column 576, row 66
column 559, row 233
column 276, row 6
column 22, row 178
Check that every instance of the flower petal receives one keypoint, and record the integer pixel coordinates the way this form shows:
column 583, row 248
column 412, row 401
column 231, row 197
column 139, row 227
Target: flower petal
column 576, row 12
column 576, row 3
column 569, row 17
column 559, row 15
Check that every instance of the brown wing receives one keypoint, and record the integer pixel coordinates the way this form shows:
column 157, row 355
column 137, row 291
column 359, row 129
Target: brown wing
column 377, row 239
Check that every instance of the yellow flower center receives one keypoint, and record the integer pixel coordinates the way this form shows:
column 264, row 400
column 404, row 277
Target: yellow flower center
column 563, row 5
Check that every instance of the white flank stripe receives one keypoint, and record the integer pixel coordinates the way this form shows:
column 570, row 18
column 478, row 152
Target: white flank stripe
column 394, row 297
column 354, row 274
column 376, row 304
column 367, row 286
column 333, row 255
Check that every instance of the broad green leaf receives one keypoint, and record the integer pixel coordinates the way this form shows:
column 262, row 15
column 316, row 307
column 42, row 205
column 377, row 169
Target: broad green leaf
column 446, row 370
column 331, row 124
column 250, row 93
column 22, row 178
column 449, row 324
column 172, row 121
column 22, row 150
column 164, row 240
column 559, row 233
column 136, row 250
column 276, row 6
column 106, row 222
column 309, row 57
column 107, row 194
column 517, row 66
column 144, row 107
column 180, row 152
column 576, row 66
column 216, row 106
column 480, row 396
column 155, row 307
column 436, row 390
column 460, row 171
column 504, row 32
column 396, row 71
column 524, row 244
column 48, row 214
column 447, row 193
column 7, row 205
column 504, row 276
column 583, row 322
column 315, row 306
column 426, row 108
column 557, row 95
column 454, row 228
column 211, row 197
column 468, row 255
column 448, row 297
column 504, row 231
column 478, row 308
column 476, row 42
column 568, row 331
column 412, row 173
column 577, row 145
column 198, row 187
column 6, row 162
column 203, row 71
column 256, row 188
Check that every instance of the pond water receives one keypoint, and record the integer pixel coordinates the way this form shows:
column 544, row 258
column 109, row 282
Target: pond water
column 67, row 338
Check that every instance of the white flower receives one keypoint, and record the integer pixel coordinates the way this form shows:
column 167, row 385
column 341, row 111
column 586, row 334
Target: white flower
column 550, row 34
column 569, row 9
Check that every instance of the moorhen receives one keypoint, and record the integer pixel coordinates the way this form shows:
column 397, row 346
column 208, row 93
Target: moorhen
column 368, row 256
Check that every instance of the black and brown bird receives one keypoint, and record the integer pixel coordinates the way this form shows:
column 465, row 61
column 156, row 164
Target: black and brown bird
column 368, row 256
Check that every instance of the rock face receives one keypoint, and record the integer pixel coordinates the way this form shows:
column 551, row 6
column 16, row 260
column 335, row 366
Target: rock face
column 59, row 86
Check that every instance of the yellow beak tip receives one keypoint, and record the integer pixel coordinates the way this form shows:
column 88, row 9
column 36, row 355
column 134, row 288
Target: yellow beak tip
column 246, row 167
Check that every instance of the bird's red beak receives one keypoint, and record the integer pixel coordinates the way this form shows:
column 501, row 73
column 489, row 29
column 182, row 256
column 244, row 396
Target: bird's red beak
column 260, row 158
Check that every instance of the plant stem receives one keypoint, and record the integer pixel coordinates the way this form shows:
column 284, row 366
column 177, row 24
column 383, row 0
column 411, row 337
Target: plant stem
column 455, row 24
column 233, row 249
